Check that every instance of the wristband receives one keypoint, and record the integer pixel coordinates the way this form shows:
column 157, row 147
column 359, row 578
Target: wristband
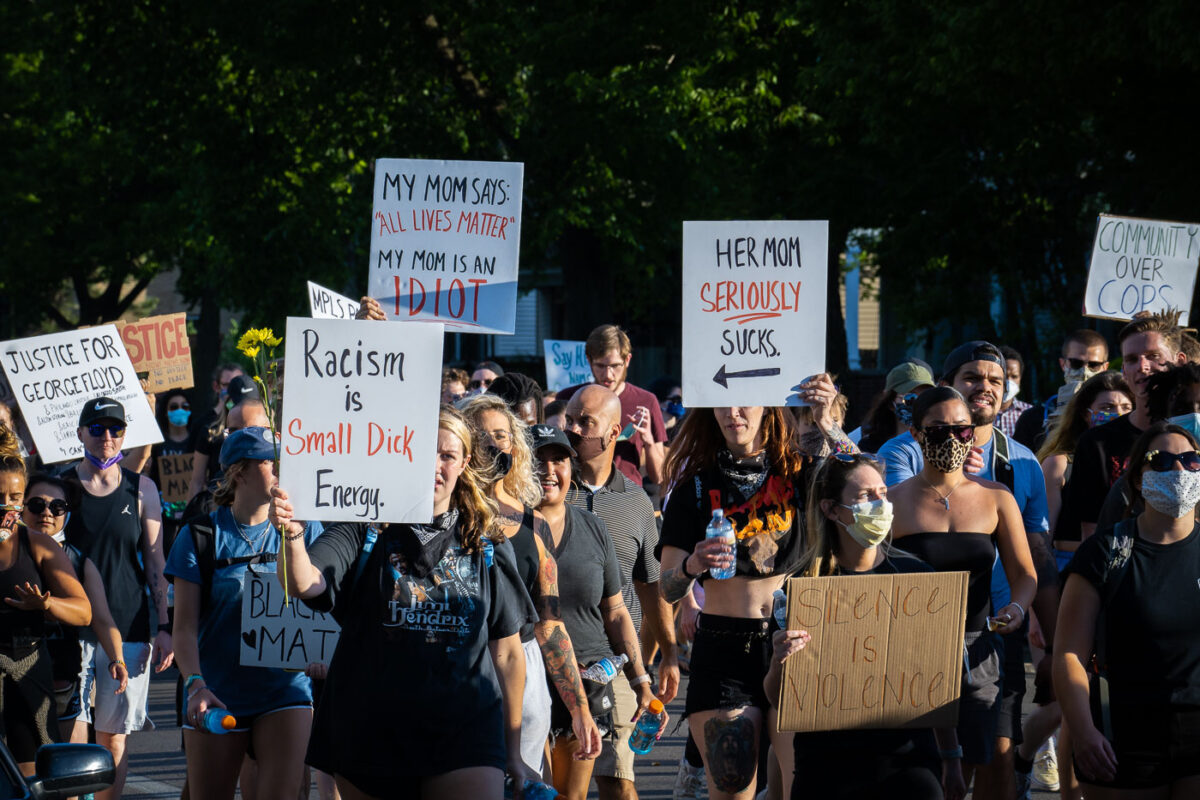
column 640, row 679
column 683, row 568
column 164, row 627
column 187, row 686
column 111, row 664
column 952, row 753
column 1018, row 605
column 293, row 537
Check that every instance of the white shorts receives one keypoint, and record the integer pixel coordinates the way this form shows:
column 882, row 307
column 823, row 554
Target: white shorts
column 535, row 712
column 115, row 713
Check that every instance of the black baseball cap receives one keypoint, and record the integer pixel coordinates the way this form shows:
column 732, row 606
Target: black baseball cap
column 101, row 408
column 546, row 435
column 977, row 350
column 242, row 388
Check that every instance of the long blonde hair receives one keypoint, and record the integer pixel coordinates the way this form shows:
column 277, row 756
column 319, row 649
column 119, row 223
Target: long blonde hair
column 820, row 554
column 476, row 511
column 520, row 482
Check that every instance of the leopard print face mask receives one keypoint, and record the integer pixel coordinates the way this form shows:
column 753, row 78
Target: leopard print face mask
column 948, row 456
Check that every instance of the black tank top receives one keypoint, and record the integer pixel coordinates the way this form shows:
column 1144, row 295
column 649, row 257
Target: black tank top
column 20, row 631
column 527, row 562
column 108, row 530
column 956, row 551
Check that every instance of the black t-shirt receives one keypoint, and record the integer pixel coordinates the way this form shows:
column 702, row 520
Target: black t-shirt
column 1101, row 457
column 411, row 688
column 1030, row 429
column 588, row 572
column 1152, row 623
column 769, row 526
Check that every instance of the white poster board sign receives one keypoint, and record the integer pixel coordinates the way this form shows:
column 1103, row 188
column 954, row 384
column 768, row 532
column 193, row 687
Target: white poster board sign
column 446, row 241
column 754, row 299
column 275, row 635
column 360, row 419
column 327, row 304
column 54, row 375
column 1141, row 265
column 566, row 364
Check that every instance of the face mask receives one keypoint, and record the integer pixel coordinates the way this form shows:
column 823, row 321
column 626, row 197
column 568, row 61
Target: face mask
column 1078, row 375
column 904, row 411
column 948, row 456
column 1189, row 422
column 1100, row 417
column 98, row 464
column 578, row 442
column 501, row 459
column 872, row 521
column 178, row 416
column 1173, row 493
column 1011, row 388
column 674, row 410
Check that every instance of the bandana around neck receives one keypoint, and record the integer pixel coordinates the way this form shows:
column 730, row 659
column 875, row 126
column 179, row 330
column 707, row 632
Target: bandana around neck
column 745, row 475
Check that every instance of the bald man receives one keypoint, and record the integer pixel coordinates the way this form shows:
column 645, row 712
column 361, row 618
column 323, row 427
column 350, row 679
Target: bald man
column 593, row 418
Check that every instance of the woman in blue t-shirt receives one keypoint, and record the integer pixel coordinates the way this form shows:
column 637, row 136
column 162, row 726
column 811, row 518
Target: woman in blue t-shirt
column 272, row 707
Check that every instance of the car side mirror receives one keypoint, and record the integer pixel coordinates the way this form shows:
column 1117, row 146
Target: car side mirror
column 67, row 770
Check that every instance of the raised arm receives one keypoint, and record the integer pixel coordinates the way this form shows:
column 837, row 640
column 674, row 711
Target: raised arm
column 300, row 578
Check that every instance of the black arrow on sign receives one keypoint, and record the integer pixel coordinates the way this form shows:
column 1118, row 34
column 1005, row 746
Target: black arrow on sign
column 722, row 377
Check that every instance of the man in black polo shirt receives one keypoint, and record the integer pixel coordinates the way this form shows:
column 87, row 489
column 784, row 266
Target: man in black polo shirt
column 593, row 425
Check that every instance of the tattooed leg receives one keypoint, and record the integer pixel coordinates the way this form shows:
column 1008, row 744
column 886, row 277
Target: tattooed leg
column 730, row 750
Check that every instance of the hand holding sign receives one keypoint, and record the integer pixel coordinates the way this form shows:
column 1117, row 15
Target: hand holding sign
column 370, row 309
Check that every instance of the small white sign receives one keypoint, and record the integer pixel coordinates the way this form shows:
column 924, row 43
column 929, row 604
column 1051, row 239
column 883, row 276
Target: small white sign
column 328, row 304
column 1141, row 265
column 566, row 364
column 53, row 376
column 754, row 296
column 359, row 434
column 446, row 242
column 288, row 636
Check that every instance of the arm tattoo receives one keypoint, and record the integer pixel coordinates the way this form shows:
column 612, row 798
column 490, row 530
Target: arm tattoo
column 559, row 656
column 1042, row 553
column 547, row 602
column 674, row 584
column 732, row 752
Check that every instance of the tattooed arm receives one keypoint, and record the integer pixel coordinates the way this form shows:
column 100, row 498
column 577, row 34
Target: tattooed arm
column 150, row 508
column 708, row 553
column 623, row 638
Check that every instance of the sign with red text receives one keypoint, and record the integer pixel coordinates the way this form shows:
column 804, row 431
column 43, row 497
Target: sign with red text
column 279, row 635
column 446, row 241
column 360, row 426
column 54, row 375
column 753, row 310
column 158, row 346
column 327, row 304
column 1141, row 265
column 886, row 652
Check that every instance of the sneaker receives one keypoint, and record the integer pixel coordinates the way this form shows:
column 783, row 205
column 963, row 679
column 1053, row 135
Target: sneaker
column 689, row 782
column 1045, row 767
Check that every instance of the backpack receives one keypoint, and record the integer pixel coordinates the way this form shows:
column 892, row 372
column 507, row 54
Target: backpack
column 1002, row 468
column 203, row 531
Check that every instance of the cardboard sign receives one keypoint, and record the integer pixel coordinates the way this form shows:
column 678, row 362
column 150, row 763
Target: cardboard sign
column 1141, row 265
column 446, row 241
column 54, row 375
column 886, row 652
column 159, row 346
column 360, row 429
column 275, row 635
column 328, row 304
column 753, row 310
column 175, row 477
column 566, row 364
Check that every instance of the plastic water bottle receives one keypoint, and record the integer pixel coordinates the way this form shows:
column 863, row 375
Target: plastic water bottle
column 533, row 790
column 604, row 670
column 645, row 732
column 721, row 528
column 780, row 609
column 217, row 720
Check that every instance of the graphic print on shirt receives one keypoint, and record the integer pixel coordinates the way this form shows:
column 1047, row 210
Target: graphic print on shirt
column 1116, row 468
column 441, row 605
column 760, row 522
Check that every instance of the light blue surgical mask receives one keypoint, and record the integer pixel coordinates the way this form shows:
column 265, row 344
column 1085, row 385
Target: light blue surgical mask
column 179, row 416
column 1189, row 422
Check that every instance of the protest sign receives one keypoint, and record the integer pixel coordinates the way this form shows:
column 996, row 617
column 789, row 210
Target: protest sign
column 753, row 310
column 566, row 364
column 328, row 304
column 886, row 652
column 445, row 242
column 361, row 419
column 54, row 375
column 1141, row 265
column 175, row 476
column 158, row 346
column 275, row 635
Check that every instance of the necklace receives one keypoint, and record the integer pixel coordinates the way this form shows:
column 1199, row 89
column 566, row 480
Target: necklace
column 259, row 540
column 945, row 498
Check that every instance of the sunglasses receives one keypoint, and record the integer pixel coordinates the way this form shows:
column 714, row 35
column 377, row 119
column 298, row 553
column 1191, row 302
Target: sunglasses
column 97, row 430
column 1159, row 461
column 484, row 384
column 857, row 458
column 936, row 434
column 38, row 505
column 1079, row 363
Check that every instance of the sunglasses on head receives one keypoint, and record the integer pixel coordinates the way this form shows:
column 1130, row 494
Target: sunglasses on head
column 857, row 458
column 1159, row 461
column 936, row 434
column 97, row 429
column 38, row 505
column 1079, row 363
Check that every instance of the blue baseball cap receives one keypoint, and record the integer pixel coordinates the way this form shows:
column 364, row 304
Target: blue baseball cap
column 254, row 444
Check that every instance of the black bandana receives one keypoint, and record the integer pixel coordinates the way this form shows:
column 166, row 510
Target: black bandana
column 424, row 545
column 745, row 475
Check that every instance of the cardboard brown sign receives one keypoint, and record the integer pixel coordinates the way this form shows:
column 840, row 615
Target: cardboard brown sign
column 175, row 477
column 886, row 652
column 159, row 346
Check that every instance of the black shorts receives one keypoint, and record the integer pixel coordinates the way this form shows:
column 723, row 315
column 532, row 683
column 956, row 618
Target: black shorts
column 1013, row 693
column 1154, row 745
column 730, row 658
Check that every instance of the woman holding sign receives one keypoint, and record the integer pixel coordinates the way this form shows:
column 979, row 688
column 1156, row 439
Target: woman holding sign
column 849, row 519
column 272, row 708
column 742, row 462
column 953, row 521
column 423, row 697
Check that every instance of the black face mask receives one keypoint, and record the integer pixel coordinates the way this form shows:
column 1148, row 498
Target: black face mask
column 501, row 459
